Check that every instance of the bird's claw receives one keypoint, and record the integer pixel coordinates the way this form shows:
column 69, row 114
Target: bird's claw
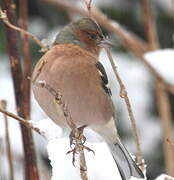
column 77, row 139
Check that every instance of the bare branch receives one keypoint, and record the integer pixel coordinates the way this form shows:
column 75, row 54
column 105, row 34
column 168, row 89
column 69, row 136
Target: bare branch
column 76, row 137
column 4, row 18
column 171, row 142
column 83, row 167
column 88, row 5
column 22, row 121
column 3, row 104
column 17, row 76
column 149, row 24
column 166, row 122
column 124, row 95
column 32, row 169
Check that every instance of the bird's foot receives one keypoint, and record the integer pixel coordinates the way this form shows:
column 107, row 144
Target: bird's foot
column 77, row 140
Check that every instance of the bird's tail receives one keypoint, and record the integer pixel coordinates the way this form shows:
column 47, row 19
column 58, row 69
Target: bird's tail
column 126, row 165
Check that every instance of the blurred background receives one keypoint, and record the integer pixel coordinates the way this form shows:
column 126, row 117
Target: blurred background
column 45, row 21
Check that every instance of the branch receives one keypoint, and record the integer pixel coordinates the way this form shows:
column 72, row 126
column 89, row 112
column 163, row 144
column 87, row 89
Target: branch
column 149, row 24
column 76, row 136
column 88, row 5
column 30, row 154
column 3, row 104
column 162, row 96
column 166, row 123
column 17, row 76
column 171, row 142
column 4, row 18
column 124, row 95
column 22, row 121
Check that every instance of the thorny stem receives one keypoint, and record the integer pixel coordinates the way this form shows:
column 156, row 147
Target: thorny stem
column 124, row 95
column 4, row 18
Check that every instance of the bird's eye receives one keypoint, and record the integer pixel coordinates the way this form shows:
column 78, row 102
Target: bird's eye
column 93, row 36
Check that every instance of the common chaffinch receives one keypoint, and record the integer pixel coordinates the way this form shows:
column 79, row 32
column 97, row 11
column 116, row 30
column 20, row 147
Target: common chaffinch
column 72, row 68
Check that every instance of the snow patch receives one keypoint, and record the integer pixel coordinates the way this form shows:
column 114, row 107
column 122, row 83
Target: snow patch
column 163, row 61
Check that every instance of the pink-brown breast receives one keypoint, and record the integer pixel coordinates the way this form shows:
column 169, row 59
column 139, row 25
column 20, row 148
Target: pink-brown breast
column 71, row 70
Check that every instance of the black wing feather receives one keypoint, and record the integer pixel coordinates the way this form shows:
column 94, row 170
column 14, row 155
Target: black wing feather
column 104, row 78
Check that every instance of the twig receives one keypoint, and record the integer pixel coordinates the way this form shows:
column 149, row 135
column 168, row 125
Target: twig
column 124, row 95
column 4, row 18
column 162, row 97
column 58, row 98
column 166, row 122
column 22, row 121
column 149, row 24
column 88, row 5
column 171, row 142
column 83, row 167
column 76, row 137
column 3, row 104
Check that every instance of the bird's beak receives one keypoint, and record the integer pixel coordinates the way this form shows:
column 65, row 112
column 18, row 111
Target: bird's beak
column 105, row 43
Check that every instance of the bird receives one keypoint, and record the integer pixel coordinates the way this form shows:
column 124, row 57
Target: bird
column 71, row 66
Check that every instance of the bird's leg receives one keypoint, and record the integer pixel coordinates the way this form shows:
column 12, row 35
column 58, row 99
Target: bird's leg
column 77, row 139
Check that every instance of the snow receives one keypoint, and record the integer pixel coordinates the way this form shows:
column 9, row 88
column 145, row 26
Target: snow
column 163, row 61
column 100, row 166
column 164, row 177
column 50, row 129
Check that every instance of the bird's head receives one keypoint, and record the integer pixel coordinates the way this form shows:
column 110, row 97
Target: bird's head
column 85, row 32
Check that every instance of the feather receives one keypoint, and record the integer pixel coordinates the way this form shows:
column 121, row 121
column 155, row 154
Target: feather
column 126, row 165
column 104, row 78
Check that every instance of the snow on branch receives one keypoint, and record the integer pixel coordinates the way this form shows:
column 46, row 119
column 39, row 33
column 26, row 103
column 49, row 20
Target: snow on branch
column 163, row 62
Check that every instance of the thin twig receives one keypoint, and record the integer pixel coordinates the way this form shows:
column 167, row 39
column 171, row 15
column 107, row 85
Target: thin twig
column 83, row 167
column 166, row 122
column 171, row 142
column 22, row 121
column 88, row 6
column 3, row 104
column 4, row 18
column 149, row 25
column 124, row 95
column 76, row 136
